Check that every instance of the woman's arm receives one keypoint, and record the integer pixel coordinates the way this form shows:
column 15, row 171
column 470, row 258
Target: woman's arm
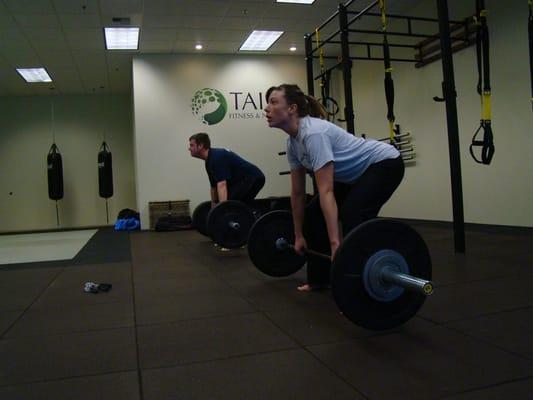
column 328, row 204
column 298, row 205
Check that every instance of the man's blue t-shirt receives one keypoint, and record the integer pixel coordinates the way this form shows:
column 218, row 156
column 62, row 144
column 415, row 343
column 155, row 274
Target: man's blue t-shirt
column 225, row 165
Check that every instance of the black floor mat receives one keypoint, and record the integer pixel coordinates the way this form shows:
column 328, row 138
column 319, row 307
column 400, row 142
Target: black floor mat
column 106, row 246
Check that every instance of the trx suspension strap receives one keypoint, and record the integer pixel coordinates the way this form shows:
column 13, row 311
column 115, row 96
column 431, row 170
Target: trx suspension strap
column 389, row 84
column 324, row 84
column 483, row 88
column 323, row 81
column 530, row 29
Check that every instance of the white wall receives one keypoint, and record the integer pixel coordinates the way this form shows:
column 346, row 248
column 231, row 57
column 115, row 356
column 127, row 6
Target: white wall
column 501, row 193
column 163, row 89
column 497, row 194
column 80, row 122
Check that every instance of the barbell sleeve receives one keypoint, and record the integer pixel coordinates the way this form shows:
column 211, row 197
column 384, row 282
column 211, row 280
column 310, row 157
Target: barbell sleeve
column 402, row 142
column 408, row 282
column 402, row 135
column 406, row 150
column 405, row 281
column 234, row 225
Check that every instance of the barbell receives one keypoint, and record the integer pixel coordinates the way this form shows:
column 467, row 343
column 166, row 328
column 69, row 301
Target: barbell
column 199, row 217
column 229, row 222
column 380, row 275
column 384, row 274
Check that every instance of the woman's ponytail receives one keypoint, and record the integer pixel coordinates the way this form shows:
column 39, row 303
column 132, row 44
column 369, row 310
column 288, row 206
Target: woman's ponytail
column 307, row 105
column 314, row 108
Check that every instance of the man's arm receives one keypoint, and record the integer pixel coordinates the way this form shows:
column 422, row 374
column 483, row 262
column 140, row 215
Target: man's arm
column 214, row 196
column 222, row 191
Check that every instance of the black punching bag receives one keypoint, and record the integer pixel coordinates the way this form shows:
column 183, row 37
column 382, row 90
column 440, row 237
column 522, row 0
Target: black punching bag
column 105, row 172
column 55, row 173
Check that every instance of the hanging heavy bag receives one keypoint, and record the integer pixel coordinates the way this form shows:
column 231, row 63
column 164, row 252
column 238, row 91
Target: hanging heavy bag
column 55, row 173
column 105, row 172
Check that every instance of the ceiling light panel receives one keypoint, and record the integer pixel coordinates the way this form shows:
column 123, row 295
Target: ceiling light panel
column 33, row 75
column 260, row 40
column 121, row 38
column 296, row 1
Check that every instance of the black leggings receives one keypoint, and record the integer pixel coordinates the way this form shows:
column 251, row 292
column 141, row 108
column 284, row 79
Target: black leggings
column 357, row 202
column 246, row 188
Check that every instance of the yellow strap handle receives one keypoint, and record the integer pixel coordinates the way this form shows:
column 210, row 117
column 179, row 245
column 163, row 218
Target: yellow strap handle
column 320, row 55
column 391, row 131
column 477, row 18
column 320, row 51
column 383, row 15
column 387, row 70
column 384, row 24
column 485, row 96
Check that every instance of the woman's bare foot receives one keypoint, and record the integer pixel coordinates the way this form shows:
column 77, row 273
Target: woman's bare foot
column 304, row 287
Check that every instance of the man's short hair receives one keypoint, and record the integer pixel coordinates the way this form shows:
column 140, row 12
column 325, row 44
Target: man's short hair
column 201, row 138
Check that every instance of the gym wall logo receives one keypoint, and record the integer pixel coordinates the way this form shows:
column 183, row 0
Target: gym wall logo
column 210, row 106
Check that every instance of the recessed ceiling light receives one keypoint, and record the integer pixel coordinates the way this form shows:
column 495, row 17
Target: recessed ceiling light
column 296, row 1
column 260, row 40
column 292, row 48
column 198, row 47
column 34, row 74
column 121, row 38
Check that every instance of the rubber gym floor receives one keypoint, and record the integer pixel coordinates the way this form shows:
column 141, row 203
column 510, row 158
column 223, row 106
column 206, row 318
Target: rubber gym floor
column 186, row 321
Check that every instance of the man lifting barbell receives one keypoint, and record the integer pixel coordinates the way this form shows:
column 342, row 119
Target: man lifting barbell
column 231, row 177
column 354, row 176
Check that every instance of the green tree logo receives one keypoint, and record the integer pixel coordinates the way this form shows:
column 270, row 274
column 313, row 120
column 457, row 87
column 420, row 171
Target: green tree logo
column 209, row 106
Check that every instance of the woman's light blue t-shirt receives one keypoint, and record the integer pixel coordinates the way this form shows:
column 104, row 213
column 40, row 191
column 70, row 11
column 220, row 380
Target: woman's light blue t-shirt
column 319, row 142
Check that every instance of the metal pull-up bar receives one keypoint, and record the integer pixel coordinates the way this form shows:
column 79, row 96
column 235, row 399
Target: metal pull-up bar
column 449, row 95
column 448, row 85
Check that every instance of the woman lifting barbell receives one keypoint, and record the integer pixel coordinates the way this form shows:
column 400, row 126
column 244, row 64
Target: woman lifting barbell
column 354, row 176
